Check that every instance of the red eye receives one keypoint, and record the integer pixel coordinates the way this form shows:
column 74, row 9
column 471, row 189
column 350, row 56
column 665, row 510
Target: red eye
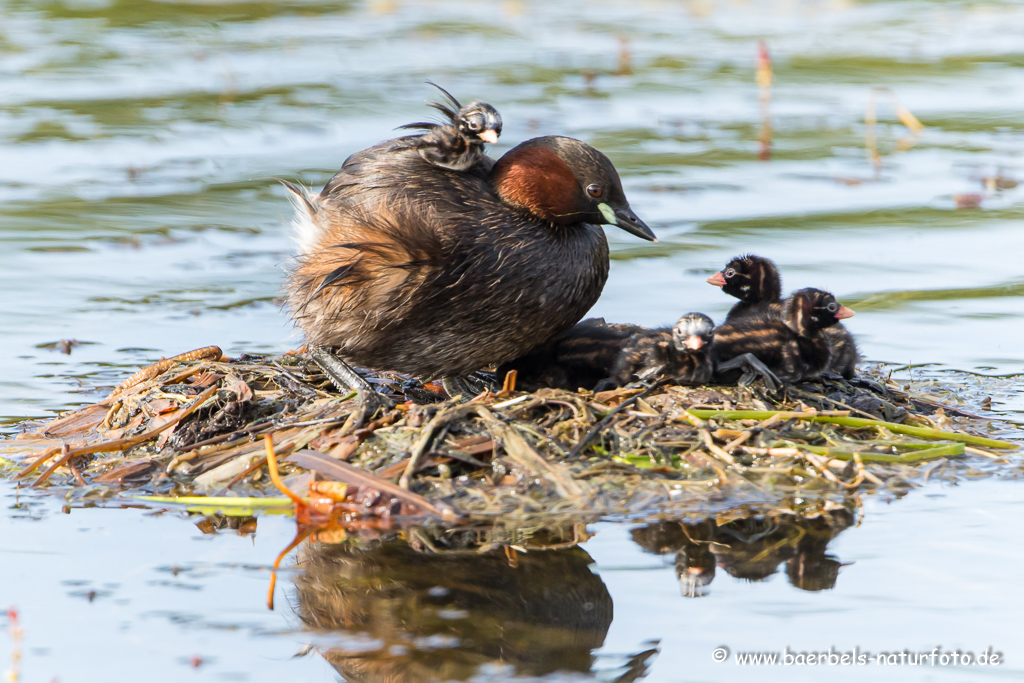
column 594, row 190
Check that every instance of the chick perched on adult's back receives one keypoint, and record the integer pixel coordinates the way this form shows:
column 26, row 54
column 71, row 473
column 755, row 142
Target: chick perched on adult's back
column 680, row 353
column 793, row 345
column 756, row 282
column 457, row 145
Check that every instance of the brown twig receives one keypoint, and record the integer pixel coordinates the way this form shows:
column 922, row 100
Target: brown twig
column 116, row 444
column 164, row 364
column 742, row 438
column 716, row 450
column 250, row 469
column 78, row 475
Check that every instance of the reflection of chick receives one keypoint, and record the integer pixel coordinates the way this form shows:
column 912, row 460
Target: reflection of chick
column 753, row 549
column 681, row 354
column 695, row 569
column 812, row 568
column 694, row 562
column 811, row 571
column 749, row 548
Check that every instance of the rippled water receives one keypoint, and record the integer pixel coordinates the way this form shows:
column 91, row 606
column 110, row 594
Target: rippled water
column 138, row 216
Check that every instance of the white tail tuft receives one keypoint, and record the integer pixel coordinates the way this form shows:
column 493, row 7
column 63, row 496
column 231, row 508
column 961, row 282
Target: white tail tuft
column 305, row 230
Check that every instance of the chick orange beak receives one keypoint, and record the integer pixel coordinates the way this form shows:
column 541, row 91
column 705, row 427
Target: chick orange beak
column 488, row 135
column 843, row 313
column 694, row 342
column 718, row 280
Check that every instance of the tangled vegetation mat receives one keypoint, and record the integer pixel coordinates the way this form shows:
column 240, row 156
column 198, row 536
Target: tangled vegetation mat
column 199, row 428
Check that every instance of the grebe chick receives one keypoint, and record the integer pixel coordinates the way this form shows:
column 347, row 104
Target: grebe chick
column 756, row 282
column 459, row 144
column 680, row 353
column 793, row 345
column 579, row 358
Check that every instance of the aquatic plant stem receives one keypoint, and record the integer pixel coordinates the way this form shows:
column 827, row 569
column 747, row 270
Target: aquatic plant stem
column 917, row 455
column 268, row 445
column 856, row 422
column 300, row 504
column 226, row 501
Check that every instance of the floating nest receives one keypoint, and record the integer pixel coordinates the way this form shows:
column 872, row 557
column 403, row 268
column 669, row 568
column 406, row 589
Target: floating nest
column 200, row 428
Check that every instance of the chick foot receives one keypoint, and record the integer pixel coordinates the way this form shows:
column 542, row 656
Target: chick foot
column 752, row 369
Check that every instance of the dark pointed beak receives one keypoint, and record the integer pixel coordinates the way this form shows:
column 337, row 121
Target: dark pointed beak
column 627, row 220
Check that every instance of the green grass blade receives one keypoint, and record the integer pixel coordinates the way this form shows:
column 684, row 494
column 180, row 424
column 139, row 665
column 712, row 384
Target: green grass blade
column 916, row 455
column 228, row 506
column 225, row 501
column 857, row 422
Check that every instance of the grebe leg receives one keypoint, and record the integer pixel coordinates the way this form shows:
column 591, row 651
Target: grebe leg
column 346, row 379
column 752, row 369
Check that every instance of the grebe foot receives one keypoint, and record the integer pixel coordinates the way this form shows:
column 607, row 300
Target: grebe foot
column 465, row 387
column 346, row 380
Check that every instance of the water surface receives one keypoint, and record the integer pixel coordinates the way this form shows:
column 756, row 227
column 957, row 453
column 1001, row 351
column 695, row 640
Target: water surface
column 138, row 216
